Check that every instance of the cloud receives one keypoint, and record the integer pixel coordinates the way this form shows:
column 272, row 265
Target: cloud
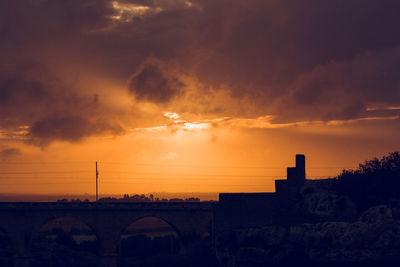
column 9, row 152
column 39, row 108
column 152, row 83
column 70, row 128
column 314, row 61
column 263, row 122
column 171, row 115
column 268, row 122
column 345, row 89
column 298, row 62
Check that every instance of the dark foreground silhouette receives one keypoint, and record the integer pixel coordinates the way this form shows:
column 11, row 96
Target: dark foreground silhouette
column 147, row 242
column 6, row 250
column 350, row 220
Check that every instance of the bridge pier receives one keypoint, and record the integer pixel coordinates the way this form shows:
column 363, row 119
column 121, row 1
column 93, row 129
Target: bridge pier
column 19, row 237
column 107, row 232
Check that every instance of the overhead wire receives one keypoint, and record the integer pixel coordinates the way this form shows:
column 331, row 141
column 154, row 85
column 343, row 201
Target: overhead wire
column 166, row 164
column 159, row 177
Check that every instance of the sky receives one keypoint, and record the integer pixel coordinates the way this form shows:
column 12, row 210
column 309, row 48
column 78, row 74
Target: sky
column 193, row 96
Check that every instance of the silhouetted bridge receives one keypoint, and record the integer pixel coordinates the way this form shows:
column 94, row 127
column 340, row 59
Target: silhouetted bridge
column 107, row 221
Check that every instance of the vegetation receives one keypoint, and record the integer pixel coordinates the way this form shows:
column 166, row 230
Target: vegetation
column 144, row 198
column 59, row 247
column 376, row 181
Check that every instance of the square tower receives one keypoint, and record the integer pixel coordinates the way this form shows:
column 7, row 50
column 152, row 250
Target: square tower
column 301, row 166
column 297, row 175
column 295, row 178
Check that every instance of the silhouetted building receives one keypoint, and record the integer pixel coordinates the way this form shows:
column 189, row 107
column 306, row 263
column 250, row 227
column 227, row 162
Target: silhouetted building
column 241, row 210
column 296, row 176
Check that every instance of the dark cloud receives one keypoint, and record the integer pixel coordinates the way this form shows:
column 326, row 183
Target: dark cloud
column 22, row 97
column 69, row 128
column 314, row 60
column 345, row 89
column 152, row 83
column 31, row 97
column 42, row 20
column 9, row 152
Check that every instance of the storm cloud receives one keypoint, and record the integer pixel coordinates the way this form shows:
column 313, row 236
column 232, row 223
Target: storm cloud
column 72, row 128
column 297, row 61
column 48, row 110
column 153, row 84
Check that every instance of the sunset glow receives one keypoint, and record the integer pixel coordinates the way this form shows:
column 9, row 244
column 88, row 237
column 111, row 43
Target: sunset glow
column 192, row 96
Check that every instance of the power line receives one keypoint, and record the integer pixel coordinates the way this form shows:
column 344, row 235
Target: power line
column 44, row 172
column 131, row 182
column 227, row 177
column 244, row 185
column 42, row 183
column 167, row 165
column 147, row 173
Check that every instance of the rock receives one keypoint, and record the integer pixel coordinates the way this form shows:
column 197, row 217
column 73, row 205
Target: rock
column 373, row 237
column 326, row 204
column 377, row 214
column 274, row 235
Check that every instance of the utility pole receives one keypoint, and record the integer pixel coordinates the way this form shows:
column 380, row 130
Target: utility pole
column 97, row 187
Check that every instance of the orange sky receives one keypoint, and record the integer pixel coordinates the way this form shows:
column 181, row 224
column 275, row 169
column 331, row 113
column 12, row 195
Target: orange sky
column 192, row 96
column 222, row 159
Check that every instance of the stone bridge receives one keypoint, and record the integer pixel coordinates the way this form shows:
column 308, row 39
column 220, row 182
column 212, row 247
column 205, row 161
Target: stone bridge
column 107, row 221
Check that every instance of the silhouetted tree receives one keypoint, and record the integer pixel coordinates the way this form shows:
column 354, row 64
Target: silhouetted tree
column 375, row 181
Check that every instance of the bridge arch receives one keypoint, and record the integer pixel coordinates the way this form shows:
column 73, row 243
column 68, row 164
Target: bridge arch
column 66, row 238
column 105, row 220
column 148, row 239
column 141, row 217
column 49, row 217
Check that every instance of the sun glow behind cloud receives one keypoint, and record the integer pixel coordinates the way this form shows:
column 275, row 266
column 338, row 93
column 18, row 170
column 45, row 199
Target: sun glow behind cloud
column 178, row 124
column 126, row 11
column 383, row 108
column 181, row 83
column 171, row 116
column 221, row 154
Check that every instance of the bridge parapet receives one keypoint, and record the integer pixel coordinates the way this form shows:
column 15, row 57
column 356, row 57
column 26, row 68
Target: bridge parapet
column 105, row 206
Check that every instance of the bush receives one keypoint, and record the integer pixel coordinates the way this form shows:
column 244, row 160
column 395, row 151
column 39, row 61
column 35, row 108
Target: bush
column 374, row 182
